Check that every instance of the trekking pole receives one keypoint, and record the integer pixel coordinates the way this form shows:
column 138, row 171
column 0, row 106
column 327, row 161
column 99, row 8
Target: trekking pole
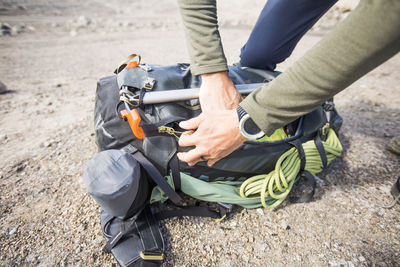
column 175, row 95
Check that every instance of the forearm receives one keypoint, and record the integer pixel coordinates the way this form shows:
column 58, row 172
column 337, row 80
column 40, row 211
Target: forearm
column 202, row 36
column 368, row 37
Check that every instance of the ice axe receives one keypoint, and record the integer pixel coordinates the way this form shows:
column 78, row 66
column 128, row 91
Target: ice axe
column 167, row 96
column 176, row 95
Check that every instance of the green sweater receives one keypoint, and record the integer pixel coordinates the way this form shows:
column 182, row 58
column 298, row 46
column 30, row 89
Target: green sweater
column 369, row 36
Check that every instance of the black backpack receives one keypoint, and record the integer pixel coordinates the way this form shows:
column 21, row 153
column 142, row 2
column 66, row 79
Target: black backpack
column 120, row 94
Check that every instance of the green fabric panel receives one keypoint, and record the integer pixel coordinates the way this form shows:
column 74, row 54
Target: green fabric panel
column 225, row 192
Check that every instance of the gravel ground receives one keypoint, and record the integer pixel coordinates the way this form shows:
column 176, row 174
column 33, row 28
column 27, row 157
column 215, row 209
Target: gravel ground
column 53, row 52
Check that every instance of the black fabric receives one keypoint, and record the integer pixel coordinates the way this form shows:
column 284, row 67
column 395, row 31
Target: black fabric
column 154, row 174
column 127, row 227
column 305, row 197
column 300, row 151
column 176, row 172
column 321, row 150
column 133, row 236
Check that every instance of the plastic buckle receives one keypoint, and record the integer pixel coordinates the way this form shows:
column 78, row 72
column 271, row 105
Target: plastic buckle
column 151, row 255
column 223, row 210
column 149, row 84
column 145, row 67
column 325, row 129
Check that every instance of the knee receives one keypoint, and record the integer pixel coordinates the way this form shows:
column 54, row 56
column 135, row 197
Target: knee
column 257, row 58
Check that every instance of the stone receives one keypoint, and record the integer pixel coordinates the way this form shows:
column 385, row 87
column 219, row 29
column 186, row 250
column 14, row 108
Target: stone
column 73, row 33
column 3, row 88
column 394, row 145
column 13, row 231
column 260, row 211
column 83, row 21
column 5, row 29
column 31, row 28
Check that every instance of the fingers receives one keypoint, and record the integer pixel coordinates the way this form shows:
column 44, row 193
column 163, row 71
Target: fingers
column 188, row 139
column 211, row 162
column 191, row 157
column 192, row 123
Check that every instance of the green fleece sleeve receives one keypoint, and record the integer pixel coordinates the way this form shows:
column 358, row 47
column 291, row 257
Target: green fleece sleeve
column 369, row 36
column 202, row 36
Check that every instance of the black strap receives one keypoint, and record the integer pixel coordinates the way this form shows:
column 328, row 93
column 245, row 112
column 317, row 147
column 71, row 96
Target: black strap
column 321, row 149
column 175, row 171
column 297, row 143
column 154, row 174
column 187, row 211
column 149, row 244
column 303, row 173
column 305, row 197
column 127, row 227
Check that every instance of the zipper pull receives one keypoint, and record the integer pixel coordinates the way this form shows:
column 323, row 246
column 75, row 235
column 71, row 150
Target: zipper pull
column 169, row 130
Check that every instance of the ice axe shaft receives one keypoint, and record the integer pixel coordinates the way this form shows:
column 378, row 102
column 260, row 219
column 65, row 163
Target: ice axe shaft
column 190, row 93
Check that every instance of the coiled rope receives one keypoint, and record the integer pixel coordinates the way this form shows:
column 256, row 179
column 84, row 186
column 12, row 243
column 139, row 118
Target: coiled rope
column 274, row 187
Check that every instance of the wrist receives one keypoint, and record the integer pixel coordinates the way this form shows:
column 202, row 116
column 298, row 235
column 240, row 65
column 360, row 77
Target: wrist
column 247, row 127
column 222, row 75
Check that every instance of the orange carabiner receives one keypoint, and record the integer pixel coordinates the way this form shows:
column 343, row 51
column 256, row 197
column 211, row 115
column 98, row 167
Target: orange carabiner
column 134, row 119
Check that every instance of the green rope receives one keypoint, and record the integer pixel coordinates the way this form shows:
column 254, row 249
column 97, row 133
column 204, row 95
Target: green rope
column 274, row 187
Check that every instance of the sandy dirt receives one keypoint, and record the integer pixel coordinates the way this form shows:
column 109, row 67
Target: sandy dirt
column 50, row 62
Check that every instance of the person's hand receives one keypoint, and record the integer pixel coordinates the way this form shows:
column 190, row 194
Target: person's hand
column 217, row 136
column 217, row 92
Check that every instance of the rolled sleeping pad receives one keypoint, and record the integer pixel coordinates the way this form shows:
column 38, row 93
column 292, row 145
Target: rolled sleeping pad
column 113, row 178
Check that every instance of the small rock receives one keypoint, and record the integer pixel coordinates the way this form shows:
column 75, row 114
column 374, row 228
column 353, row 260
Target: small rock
column 31, row 28
column 260, row 211
column 73, row 33
column 3, row 137
column 233, row 224
column 394, row 145
column 245, row 258
column 83, row 21
column 3, row 88
column 5, row 29
column 47, row 144
column 361, row 258
column 29, row 258
column 13, row 231
column 285, row 225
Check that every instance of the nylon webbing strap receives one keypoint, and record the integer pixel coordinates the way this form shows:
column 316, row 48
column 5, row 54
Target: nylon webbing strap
column 187, row 211
column 176, row 174
column 154, row 174
column 321, row 150
column 300, row 151
column 126, row 228
column 303, row 173
column 149, row 244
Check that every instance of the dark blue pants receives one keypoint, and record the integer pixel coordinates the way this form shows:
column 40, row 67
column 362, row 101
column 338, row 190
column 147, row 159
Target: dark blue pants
column 279, row 27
